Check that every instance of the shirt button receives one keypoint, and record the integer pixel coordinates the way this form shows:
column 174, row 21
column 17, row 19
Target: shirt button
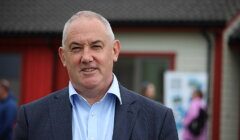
column 91, row 138
column 93, row 114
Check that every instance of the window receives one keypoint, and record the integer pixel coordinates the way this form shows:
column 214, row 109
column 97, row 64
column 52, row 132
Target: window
column 10, row 69
column 134, row 69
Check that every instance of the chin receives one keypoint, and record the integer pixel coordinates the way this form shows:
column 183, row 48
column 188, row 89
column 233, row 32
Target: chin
column 89, row 86
column 90, row 83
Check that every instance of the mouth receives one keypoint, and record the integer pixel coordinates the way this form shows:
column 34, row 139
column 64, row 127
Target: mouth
column 88, row 70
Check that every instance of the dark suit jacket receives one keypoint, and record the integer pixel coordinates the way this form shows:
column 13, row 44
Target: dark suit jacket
column 138, row 118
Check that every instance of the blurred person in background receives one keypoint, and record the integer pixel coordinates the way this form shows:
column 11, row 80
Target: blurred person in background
column 199, row 131
column 148, row 90
column 8, row 111
column 94, row 106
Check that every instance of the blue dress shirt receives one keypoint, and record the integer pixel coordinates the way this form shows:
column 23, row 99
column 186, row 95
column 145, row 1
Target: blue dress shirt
column 94, row 122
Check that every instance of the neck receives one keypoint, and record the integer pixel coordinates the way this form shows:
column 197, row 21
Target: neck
column 94, row 95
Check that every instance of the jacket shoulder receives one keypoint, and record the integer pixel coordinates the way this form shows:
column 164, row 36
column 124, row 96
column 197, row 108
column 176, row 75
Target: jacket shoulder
column 151, row 115
column 143, row 102
column 42, row 102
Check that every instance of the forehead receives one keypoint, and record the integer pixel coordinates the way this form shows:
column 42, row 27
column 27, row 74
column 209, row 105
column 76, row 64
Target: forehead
column 85, row 30
column 86, row 25
column 86, row 20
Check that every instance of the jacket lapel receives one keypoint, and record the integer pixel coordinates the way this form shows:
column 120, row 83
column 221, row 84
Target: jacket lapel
column 125, row 116
column 61, row 116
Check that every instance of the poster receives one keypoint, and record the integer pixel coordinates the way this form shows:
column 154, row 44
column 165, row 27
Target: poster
column 178, row 89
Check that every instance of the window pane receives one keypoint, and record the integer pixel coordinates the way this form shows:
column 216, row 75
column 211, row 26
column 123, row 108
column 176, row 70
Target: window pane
column 132, row 71
column 10, row 69
column 124, row 71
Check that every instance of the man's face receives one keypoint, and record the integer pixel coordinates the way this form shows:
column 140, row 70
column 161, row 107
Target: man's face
column 89, row 54
column 150, row 92
column 2, row 92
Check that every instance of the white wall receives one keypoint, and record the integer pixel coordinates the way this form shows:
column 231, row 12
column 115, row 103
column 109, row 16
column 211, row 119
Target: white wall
column 190, row 48
column 230, row 96
column 230, row 101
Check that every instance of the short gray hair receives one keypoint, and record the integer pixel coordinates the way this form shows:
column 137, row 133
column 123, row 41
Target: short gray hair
column 88, row 14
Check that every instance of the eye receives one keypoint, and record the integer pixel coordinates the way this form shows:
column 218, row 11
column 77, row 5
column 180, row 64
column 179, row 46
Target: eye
column 97, row 46
column 75, row 48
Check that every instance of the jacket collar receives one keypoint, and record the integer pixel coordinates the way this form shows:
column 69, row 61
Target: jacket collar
column 61, row 115
column 125, row 115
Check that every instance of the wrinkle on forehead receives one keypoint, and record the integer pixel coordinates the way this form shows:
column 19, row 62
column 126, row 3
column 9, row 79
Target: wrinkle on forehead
column 80, row 21
column 87, row 31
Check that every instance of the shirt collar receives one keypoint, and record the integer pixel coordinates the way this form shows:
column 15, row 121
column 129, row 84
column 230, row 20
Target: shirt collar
column 114, row 89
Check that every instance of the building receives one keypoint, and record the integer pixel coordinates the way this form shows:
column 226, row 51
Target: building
column 183, row 35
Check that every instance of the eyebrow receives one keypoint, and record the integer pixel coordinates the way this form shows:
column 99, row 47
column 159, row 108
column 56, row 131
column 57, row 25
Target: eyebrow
column 76, row 43
column 97, row 41
column 80, row 44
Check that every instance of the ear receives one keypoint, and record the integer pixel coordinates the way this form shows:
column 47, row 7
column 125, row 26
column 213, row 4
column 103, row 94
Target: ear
column 116, row 50
column 62, row 55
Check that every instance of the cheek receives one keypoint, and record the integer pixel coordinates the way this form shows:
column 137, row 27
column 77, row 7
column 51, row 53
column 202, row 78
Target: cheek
column 108, row 60
column 72, row 62
column 105, row 63
column 104, row 59
column 75, row 59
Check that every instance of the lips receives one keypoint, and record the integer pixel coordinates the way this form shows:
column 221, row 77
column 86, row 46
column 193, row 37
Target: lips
column 90, row 69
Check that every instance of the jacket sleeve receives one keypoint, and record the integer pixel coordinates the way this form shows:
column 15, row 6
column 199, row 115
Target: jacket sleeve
column 21, row 128
column 169, row 131
column 10, row 118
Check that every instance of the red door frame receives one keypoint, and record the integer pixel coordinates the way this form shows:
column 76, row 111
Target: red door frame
column 217, row 80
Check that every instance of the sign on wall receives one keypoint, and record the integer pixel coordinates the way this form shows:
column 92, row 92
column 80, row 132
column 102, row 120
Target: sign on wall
column 178, row 89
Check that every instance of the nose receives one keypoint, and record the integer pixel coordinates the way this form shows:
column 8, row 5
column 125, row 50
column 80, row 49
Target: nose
column 86, row 56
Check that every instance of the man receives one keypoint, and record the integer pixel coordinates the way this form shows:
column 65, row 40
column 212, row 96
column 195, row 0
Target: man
column 8, row 111
column 94, row 106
